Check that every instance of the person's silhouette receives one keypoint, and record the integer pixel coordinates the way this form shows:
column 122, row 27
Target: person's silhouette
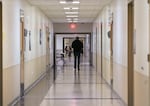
column 77, row 46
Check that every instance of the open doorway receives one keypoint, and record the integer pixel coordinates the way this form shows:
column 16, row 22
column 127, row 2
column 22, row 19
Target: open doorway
column 1, row 58
column 63, row 46
column 64, row 40
column 22, row 47
column 130, row 54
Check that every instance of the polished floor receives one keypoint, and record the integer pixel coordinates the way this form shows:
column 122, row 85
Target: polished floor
column 72, row 88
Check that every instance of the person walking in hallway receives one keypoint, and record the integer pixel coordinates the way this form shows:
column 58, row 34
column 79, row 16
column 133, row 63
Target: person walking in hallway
column 77, row 46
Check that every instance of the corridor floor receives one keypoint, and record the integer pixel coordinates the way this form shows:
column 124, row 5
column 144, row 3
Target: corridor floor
column 83, row 88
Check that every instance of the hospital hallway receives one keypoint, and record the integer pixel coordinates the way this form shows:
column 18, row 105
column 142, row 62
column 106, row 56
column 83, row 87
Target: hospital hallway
column 72, row 88
column 39, row 40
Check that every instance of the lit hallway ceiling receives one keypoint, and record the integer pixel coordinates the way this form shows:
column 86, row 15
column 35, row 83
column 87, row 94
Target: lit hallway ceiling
column 85, row 11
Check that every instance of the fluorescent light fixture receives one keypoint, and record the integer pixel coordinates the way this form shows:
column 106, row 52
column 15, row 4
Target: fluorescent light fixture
column 75, row 19
column 62, row 2
column 69, row 8
column 71, row 16
column 69, row 19
column 75, row 2
column 71, row 12
column 75, row 8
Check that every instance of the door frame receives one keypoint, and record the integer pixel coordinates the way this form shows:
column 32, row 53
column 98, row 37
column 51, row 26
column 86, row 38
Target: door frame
column 111, row 54
column 22, row 48
column 149, row 50
column 96, row 47
column 131, row 53
column 101, row 49
column 54, row 46
column 1, row 57
column 47, row 48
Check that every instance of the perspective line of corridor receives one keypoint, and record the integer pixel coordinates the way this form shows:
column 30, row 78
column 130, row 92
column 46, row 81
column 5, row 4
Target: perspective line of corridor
column 72, row 88
column 42, row 41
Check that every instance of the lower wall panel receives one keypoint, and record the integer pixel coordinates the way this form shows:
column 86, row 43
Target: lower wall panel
column 34, row 69
column 141, row 89
column 11, row 85
column 120, row 78
column 106, row 69
column 120, row 81
column 141, row 85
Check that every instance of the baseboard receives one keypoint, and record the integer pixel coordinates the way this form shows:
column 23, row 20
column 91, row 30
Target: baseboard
column 34, row 83
column 29, row 88
column 124, row 103
column 14, row 101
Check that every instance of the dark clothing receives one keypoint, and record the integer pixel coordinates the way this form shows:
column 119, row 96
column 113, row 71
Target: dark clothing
column 75, row 61
column 77, row 46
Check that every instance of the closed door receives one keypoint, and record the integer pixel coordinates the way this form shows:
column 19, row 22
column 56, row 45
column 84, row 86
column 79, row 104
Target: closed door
column 101, row 50
column 47, row 48
column 130, row 54
column 21, row 56
column 149, row 54
column 1, row 66
column 111, row 53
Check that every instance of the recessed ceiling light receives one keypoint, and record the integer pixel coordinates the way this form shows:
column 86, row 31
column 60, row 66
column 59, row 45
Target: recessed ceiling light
column 75, row 8
column 75, row 19
column 69, row 19
column 71, row 12
column 67, row 8
column 71, row 16
column 75, row 2
column 62, row 2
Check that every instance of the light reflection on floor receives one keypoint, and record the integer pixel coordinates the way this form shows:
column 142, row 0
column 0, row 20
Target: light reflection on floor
column 83, row 88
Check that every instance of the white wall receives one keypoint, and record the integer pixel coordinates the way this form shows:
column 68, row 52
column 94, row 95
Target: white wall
column 120, row 42
column 35, row 61
column 59, row 43
column 142, row 38
column 80, row 28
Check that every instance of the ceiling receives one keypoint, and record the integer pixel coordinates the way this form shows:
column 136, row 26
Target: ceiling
column 87, row 12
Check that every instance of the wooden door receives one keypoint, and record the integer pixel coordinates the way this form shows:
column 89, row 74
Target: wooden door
column 101, row 50
column 111, row 53
column 47, row 48
column 149, row 52
column 1, row 58
column 22, row 55
column 130, row 54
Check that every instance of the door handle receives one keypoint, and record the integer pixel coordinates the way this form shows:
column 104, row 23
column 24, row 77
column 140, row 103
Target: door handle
column 148, row 57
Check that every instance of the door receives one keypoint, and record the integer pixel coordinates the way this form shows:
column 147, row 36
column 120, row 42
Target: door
column 130, row 54
column 1, row 59
column 96, row 49
column 47, row 49
column 54, row 58
column 22, row 53
column 111, row 54
column 149, row 51
column 101, row 50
